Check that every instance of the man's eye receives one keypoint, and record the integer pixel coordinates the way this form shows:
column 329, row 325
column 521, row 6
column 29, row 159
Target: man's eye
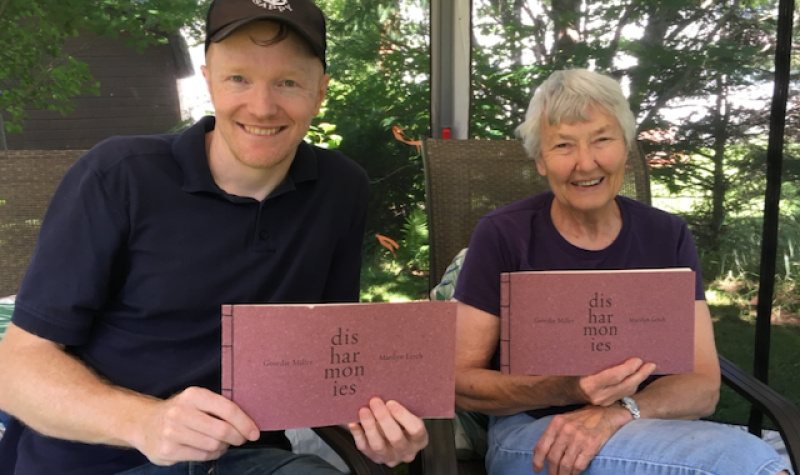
column 237, row 78
column 289, row 83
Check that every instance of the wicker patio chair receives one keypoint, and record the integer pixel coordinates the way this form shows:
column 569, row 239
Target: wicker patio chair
column 465, row 179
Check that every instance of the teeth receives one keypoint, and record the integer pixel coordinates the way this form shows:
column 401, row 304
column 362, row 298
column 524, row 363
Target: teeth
column 588, row 182
column 260, row 131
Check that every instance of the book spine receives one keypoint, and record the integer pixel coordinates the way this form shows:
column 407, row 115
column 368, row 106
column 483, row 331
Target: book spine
column 227, row 351
column 505, row 322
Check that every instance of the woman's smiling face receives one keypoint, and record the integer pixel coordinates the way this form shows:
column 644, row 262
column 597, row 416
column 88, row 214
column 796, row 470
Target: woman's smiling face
column 584, row 161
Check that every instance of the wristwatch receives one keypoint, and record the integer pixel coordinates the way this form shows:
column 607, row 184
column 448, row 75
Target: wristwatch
column 629, row 404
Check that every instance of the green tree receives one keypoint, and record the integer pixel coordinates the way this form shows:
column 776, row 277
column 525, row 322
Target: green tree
column 380, row 68
column 668, row 53
column 35, row 72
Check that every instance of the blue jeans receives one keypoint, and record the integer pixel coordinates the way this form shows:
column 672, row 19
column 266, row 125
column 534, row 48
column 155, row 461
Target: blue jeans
column 251, row 461
column 645, row 446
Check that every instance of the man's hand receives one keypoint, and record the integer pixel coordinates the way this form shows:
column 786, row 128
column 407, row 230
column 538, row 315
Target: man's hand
column 194, row 425
column 609, row 386
column 573, row 439
column 388, row 433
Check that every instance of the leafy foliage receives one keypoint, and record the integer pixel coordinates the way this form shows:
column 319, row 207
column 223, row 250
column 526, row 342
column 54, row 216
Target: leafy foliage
column 400, row 275
column 379, row 66
column 34, row 70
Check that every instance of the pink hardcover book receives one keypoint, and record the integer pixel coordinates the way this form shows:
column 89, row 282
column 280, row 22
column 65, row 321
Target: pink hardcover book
column 294, row 366
column 581, row 322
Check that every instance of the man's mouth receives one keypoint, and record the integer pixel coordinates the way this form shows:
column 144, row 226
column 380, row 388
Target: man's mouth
column 262, row 130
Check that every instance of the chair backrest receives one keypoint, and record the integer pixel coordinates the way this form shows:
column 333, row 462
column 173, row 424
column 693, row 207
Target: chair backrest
column 28, row 179
column 465, row 179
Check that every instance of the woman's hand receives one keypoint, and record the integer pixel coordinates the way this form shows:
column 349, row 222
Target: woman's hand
column 572, row 440
column 609, row 386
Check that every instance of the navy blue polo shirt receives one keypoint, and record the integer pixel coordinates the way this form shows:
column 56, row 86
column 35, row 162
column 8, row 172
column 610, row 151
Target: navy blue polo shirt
column 140, row 248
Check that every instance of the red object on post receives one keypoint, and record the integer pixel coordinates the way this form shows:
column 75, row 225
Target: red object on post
column 446, row 133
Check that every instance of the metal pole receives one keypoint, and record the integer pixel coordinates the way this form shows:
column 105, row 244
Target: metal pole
column 769, row 237
column 451, row 78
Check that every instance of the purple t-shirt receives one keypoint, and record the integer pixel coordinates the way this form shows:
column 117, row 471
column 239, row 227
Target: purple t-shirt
column 522, row 237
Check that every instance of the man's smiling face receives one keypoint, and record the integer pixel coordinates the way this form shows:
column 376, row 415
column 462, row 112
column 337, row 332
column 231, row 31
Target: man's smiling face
column 264, row 95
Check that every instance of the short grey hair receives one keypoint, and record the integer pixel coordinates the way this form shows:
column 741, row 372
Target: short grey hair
column 565, row 96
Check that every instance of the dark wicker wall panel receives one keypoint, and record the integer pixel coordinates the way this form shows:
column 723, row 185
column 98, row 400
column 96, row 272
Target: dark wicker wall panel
column 138, row 95
column 28, row 179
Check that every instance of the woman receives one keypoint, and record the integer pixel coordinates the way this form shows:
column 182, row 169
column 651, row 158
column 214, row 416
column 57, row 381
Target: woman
column 579, row 129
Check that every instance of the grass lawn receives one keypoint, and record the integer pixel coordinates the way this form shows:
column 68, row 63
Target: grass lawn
column 386, row 282
column 734, row 330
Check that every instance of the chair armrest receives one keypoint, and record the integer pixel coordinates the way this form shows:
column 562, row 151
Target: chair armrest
column 783, row 412
column 340, row 440
column 439, row 457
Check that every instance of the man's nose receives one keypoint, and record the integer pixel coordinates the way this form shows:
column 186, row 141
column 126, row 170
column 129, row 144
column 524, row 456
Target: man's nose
column 264, row 102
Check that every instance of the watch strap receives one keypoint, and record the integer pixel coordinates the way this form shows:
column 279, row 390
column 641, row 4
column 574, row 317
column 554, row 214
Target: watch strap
column 629, row 404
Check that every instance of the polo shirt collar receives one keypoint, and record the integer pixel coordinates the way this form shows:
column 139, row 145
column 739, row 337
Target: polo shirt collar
column 189, row 150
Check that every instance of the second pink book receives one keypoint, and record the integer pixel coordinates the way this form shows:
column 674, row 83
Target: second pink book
column 291, row 366
column 582, row 322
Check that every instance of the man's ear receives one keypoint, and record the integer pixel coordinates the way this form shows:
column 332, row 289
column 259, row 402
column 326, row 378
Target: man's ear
column 206, row 76
column 323, row 89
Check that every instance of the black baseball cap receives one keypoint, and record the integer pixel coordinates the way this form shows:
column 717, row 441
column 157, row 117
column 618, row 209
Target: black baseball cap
column 225, row 16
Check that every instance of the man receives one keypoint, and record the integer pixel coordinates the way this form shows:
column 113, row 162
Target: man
column 112, row 360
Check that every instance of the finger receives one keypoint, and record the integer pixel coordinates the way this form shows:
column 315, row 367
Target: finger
column 556, row 456
column 632, row 382
column 226, row 410
column 185, row 453
column 542, row 447
column 608, row 386
column 412, row 425
column 210, row 432
column 372, row 432
column 618, row 374
column 582, row 462
column 571, row 452
column 359, row 437
column 176, row 429
column 392, row 432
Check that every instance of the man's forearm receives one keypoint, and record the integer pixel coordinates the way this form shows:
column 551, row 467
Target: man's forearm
column 58, row 396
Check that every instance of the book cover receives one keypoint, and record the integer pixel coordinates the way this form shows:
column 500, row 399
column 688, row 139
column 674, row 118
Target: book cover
column 290, row 366
column 581, row 322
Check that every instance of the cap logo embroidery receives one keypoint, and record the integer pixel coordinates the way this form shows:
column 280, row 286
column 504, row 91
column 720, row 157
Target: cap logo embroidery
column 280, row 5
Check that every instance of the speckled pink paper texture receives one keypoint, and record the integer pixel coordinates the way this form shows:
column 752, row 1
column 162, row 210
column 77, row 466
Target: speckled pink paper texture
column 581, row 322
column 292, row 366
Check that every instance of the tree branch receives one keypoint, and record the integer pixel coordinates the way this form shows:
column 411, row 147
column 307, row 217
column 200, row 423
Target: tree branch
column 677, row 85
column 623, row 20
column 378, row 180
